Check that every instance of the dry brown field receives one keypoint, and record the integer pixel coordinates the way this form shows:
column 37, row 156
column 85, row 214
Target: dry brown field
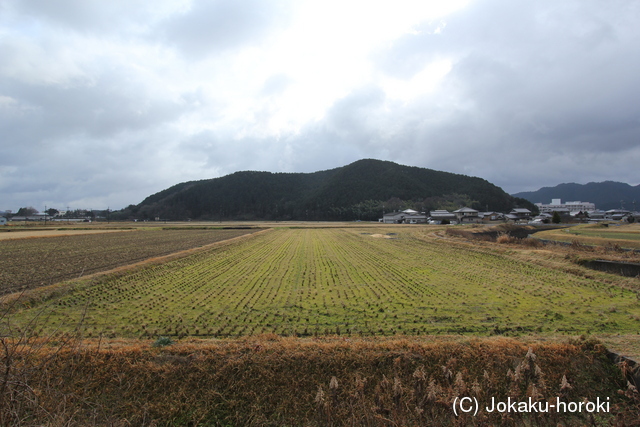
column 44, row 260
column 50, row 232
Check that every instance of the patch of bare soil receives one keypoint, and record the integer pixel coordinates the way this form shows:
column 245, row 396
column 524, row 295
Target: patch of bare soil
column 13, row 235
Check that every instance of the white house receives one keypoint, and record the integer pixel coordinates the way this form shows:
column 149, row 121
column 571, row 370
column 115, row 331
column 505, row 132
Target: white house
column 3, row 220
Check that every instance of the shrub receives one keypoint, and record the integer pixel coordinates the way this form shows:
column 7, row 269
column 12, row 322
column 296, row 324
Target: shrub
column 505, row 238
column 163, row 342
column 532, row 242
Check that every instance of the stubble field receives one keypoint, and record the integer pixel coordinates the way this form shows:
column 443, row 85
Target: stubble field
column 344, row 281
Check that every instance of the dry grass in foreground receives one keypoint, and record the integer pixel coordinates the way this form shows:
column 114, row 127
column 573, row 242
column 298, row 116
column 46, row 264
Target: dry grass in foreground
column 269, row 380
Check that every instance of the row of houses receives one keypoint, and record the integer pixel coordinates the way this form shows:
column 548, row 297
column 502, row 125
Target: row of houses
column 471, row 216
column 60, row 216
column 580, row 210
column 461, row 216
column 599, row 215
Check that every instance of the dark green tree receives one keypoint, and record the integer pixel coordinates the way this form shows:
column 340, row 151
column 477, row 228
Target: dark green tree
column 556, row 218
column 27, row 211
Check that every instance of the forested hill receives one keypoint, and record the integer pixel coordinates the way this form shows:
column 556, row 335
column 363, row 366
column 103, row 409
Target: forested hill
column 361, row 190
column 606, row 195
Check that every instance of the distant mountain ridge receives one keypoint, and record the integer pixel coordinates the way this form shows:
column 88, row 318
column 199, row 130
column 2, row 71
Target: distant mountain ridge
column 606, row 195
column 360, row 190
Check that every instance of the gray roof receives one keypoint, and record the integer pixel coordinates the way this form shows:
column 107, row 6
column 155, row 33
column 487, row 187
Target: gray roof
column 465, row 209
column 442, row 213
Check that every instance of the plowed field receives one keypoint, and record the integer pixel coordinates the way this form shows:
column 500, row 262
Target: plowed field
column 35, row 262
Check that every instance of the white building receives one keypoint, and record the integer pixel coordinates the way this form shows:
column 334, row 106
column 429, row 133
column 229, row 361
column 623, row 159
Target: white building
column 557, row 206
column 3, row 220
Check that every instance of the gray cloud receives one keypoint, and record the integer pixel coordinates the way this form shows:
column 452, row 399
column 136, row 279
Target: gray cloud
column 104, row 103
column 114, row 16
column 215, row 25
column 51, row 112
column 547, row 78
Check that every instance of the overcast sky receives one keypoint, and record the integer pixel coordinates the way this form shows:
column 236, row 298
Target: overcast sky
column 103, row 103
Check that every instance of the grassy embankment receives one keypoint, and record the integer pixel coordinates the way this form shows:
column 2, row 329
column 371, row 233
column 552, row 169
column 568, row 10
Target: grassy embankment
column 275, row 381
column 625, row 236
